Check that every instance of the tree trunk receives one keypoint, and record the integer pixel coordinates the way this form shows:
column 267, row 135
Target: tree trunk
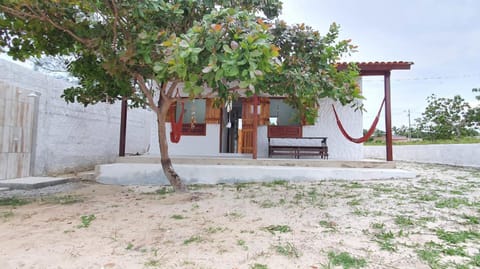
column 168, row 170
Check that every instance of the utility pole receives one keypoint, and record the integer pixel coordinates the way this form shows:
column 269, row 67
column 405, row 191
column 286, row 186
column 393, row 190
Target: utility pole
column 409, row 128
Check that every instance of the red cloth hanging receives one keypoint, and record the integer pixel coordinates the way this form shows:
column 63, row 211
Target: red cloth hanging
column 367, row 135
column 176, row 132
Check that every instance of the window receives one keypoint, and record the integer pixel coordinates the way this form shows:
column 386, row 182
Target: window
column 282, row 114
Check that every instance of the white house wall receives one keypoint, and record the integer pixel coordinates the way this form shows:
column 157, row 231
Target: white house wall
column 339, row 147
column 71, row 137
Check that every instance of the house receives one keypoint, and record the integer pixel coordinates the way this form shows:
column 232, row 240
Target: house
column 211, row 131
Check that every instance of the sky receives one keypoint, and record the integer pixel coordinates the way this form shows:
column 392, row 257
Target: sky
column 441, row 37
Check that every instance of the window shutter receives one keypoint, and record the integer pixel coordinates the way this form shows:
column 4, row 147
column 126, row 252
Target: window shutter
column 264, row 117
column 212, row 113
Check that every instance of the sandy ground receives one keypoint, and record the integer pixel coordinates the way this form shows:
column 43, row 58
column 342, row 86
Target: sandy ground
column 332, row 224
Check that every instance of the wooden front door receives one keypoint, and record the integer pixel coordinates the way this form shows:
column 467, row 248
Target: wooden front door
column 245, row 143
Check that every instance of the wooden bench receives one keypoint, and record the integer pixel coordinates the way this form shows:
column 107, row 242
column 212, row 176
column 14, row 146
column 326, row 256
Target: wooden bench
column 296, row 151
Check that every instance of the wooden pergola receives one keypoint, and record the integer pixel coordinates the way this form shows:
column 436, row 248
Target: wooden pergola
column 383, row 69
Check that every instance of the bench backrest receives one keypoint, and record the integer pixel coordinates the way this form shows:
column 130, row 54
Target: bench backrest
column 284, row 131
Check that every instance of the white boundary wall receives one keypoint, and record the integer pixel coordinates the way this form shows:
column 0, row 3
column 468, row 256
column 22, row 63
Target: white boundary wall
column 71, row 137
column 452, row 154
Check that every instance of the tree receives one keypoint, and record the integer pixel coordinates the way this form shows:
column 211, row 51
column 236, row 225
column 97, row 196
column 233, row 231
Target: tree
column 473, row 114
column 143, row 50
column 308, row 70
column 444, row 118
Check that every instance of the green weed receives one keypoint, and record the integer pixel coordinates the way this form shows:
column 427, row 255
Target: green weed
column 258, row 266
column 452, row 202
column 193, row 239
column 278, row 228
column 457, row 237
column 403, row 221
column 86, row 220
column 242, row 244
column 288, row 250
column 345, row 260
column 378, row 226
column 63, row 200
column 471, row 219
column 430, row 256
column 6, row 215
column 177, row 217
column 278, row 182
column 328, row 224
column 354, row 202
column 152, row 263
column 385, row 240
column 13, row 201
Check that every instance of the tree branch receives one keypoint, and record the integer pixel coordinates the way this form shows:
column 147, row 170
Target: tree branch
column 148, row 94
column 45, row 18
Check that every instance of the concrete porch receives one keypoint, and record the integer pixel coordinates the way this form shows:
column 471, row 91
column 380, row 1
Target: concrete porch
column 146, row 170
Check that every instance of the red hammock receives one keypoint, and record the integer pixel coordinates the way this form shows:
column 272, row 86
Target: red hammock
column 367, row 135
column 176, row 132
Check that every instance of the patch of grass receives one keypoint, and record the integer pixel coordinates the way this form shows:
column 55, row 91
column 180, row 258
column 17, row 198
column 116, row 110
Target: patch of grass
column 383, row 189
column 212, row 230
column 452, row 202
column 428, row 197
column 13, row 201
column 475, row 260
column 345, row 260
column 267, row 204
column 328, row 224
column 385, row 240
column 86, row 220
column 359, row 212
column 354, row 202
column 457, row 237
column 193, row 239
column 258, row 266
column 177, row 217
column 430, row 256
column 352, row 185
column 378, row 226
column 277, row 182
column 278, row 228
column 129, row 246
column 403, row 221
column 471, row 219
column 288, row 250
column 242, row 244
column 234, row 215
column 160, row 191
column 454, row 251
column 152, row 263
column 63, row 200
column 6, row 215
column 423, row 220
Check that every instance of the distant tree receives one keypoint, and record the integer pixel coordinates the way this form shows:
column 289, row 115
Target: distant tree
column 445, row 118
column 473, row 114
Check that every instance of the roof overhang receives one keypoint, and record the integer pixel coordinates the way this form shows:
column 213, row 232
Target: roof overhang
column 377, row 68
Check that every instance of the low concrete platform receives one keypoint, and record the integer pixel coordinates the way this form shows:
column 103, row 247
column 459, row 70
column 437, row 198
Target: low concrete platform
column 136, row 173
column 26, row 183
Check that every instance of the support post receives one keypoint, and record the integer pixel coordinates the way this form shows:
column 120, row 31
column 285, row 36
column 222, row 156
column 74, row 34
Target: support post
column 388, row 117
column 123, row 128
column 255, row 125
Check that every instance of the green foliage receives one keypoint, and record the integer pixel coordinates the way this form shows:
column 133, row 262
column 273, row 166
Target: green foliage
column 288, row 250
column 445, row 118
column 278, row 228
column 345, row 260
column 86, row 220
column 308, row 71
column 13, row 201
column 457, row 237
column 259, row 266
